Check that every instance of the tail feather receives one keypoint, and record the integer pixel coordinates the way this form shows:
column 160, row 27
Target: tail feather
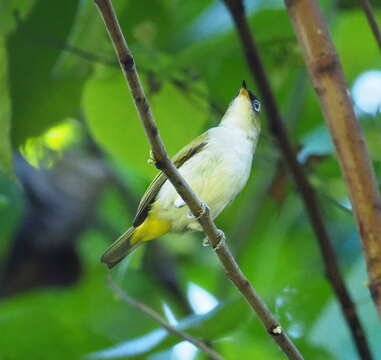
column 119, row 249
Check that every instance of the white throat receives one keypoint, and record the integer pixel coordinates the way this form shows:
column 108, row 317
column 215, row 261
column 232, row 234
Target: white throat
column 241, row 115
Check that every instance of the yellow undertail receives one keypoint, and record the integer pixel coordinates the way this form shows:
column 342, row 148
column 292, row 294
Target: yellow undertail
column 150, row 229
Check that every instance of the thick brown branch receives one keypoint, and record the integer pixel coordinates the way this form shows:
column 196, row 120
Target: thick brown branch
column 231, row 267
column 278, row 129
column 350, row 146
column 367, row 7
column 154, row 315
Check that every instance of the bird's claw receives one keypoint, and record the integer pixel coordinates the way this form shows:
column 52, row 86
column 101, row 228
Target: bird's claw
column 221, row 240
column 151, row 160
column 204, row 209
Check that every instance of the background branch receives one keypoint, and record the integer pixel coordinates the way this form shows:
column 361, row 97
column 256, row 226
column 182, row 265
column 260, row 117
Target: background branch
column 163, row 163
column 154, row 315
column 277, row 128
column 329, row 83
column 367, row 7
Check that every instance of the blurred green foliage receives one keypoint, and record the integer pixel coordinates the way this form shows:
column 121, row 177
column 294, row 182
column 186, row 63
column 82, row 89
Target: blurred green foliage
column 57, row 64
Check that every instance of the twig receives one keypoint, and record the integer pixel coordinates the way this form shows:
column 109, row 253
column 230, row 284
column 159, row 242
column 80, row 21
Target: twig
column 327, row 76
column 200, row 212
column 366, row 5
column 278, row 129
column 154, row 315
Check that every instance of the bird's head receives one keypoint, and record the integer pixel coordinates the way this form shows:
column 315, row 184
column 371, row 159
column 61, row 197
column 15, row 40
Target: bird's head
column 247, row 95
column 244, row 109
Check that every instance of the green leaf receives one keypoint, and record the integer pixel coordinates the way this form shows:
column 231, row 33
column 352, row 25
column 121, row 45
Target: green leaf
column 357, row 48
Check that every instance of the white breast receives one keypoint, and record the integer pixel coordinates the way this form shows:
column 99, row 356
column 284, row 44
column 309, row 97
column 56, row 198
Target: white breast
column 216, row 174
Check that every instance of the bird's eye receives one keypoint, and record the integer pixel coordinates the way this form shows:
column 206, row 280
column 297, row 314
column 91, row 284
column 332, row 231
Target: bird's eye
column 257, row 105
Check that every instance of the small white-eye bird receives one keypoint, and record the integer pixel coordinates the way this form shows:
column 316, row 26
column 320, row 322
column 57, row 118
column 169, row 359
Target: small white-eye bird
column 216, row 165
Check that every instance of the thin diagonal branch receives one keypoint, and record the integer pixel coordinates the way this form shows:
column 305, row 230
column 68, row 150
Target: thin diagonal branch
column 154, row 315
column 163, row 163
column 367, row 7
column 328, row 79
column 307, row 193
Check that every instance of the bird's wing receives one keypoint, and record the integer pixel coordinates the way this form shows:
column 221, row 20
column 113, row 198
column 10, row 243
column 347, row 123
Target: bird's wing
column 179, row 159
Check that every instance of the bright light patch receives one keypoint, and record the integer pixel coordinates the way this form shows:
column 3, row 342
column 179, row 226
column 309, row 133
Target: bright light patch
column 200, row 300
column 184, row 351
column 366, row 92
column 40, row 150
column 346, row 203
column 59, row 137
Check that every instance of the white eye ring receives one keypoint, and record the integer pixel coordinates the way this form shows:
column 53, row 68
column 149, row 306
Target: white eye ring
column 257, row 105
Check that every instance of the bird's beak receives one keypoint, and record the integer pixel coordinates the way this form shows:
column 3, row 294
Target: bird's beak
column 243, row 91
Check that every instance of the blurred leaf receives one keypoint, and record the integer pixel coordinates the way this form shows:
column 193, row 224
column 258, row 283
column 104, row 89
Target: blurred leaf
column 5, row 112
column 10, row 9
column 113, row 120
column 87, row 42
column 73, row 321
column 341, row 346
column 132, row 347
column 211, row 325
column 39, row 97
column 244, row 346
column 358, row 49
column 148, row 22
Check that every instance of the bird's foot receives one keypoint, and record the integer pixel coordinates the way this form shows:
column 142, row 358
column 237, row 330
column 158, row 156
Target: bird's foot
column 205, row 242
column 204, row 210
column 221, row 240
column 154, row 160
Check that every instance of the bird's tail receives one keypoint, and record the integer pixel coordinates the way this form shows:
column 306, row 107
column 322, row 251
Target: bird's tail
column 120, row 248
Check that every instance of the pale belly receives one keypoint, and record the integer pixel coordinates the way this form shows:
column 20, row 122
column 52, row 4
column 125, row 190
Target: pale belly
column 216, row 175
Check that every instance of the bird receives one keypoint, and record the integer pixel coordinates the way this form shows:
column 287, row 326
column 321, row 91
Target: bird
column 216, row 165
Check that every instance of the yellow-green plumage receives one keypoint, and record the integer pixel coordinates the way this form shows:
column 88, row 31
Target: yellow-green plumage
column 216, row 165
